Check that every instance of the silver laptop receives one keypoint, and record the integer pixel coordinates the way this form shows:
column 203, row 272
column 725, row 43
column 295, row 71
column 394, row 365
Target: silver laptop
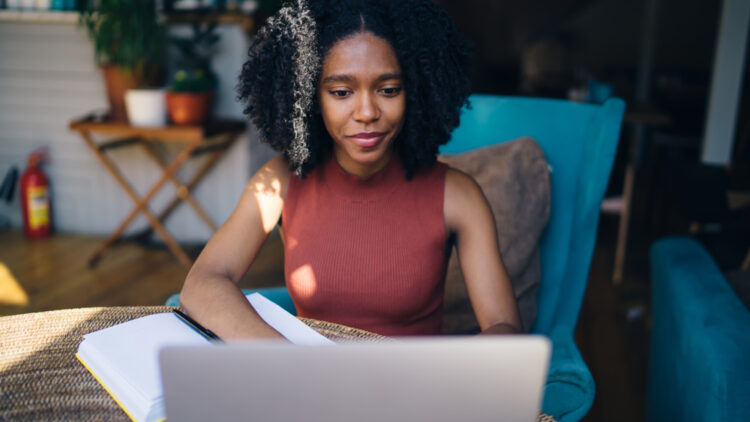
column 432, row 379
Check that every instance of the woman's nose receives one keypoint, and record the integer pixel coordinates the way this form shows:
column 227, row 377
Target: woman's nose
column 366, row 109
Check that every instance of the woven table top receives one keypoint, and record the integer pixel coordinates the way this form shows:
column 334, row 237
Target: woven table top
column 40, row 378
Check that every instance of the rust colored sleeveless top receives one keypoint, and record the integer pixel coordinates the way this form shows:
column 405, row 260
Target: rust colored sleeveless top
column 367, row 253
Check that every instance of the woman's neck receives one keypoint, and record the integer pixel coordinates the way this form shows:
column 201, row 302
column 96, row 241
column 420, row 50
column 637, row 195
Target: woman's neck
column 363, row 170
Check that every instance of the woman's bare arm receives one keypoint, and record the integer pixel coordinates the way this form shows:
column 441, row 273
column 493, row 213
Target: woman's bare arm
column 210, row 293
column 469, row 218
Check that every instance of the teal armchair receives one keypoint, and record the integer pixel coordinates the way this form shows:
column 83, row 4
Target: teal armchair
column 579, row 141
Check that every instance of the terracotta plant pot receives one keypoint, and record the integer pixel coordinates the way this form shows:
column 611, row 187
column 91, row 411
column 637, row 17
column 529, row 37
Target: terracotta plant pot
column 117, row 82
column 189, row 108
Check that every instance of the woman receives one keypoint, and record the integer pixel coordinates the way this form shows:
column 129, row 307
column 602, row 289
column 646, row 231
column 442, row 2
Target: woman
column 357, row 96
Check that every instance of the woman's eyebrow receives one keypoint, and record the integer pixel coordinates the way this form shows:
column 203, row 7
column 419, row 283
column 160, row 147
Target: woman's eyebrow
column 388, row 76
column 337, row 78
column 349, row 78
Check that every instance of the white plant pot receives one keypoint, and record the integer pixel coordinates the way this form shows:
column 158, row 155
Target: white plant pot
column 146, row 107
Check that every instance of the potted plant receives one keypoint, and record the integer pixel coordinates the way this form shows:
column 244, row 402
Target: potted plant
column 129, row 43
column 191, row 92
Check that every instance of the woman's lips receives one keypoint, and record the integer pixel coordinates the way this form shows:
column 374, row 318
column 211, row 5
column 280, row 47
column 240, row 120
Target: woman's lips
column 368, row 139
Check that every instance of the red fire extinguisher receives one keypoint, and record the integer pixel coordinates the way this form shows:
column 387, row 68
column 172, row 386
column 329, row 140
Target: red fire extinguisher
column 35, row 198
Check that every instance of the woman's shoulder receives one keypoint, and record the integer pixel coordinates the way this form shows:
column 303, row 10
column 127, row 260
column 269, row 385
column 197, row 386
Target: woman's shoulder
column 462, row 196
column 278, row 166
column 273, row 176
column 459, row 183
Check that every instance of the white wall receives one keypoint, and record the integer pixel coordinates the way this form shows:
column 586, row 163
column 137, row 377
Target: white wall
column 48, row 77
column 726, row 83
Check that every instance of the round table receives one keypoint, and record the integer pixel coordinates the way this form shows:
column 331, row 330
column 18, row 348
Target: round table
column 42, row 380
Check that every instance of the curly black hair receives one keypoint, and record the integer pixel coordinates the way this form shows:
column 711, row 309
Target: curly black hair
column 278, row 84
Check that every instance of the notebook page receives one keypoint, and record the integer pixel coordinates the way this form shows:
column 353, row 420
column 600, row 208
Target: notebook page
column 285, row 323
column 139, row 366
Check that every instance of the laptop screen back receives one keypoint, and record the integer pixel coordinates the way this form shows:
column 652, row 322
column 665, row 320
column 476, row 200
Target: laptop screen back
column 434, row 379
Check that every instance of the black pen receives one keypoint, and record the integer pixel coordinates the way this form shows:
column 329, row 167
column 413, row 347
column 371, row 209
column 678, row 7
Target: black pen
column 195, row 326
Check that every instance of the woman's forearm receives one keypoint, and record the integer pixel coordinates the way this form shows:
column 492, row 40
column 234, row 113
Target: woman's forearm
column 217, row 304
column 501, row 328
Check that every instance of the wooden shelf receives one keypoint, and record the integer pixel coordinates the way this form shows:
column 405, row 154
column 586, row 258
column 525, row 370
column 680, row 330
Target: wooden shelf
column 38, row 16
column 647, row 115
column 170, row 133
column 222, row 18
column 248, row 22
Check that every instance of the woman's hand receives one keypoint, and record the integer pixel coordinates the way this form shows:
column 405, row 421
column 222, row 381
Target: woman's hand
column 469, row 218
column 210, row 293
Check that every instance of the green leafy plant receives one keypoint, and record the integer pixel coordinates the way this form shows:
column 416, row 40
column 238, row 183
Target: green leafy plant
column 128, row 34
column 194, row 72
column 195, row 81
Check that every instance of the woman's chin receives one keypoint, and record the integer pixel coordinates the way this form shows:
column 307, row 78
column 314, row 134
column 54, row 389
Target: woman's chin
column 372, row 156
column 372, row 159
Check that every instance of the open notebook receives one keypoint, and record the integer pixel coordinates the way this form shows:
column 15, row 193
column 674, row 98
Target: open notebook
column 124, row 358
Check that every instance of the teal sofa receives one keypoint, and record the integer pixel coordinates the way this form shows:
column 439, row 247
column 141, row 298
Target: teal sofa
column 699, row 365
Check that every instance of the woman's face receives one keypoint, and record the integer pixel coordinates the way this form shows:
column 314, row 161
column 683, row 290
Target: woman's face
column 362, row 101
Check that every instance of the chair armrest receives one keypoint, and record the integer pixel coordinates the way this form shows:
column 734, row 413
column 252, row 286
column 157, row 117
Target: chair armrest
column 277, row 295
column 570, row 388
column 698, row 362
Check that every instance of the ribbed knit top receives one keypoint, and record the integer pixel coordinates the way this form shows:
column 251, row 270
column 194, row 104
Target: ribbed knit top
column 367, row 253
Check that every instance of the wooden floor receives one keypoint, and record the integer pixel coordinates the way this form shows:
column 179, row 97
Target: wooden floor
column 612, row 329
column 53, row 274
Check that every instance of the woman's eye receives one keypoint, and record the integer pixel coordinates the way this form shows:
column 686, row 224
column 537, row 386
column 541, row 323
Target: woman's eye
column 390, row 92
column 339, row 93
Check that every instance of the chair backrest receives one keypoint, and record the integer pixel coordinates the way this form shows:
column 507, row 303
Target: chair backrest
column 579, row 142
